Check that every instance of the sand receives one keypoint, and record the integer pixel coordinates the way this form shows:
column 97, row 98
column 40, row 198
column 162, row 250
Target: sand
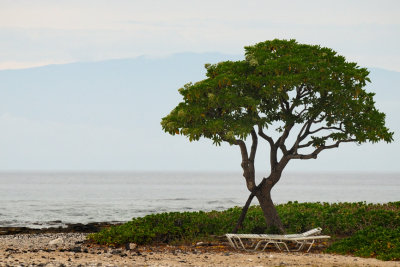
column 70, row 249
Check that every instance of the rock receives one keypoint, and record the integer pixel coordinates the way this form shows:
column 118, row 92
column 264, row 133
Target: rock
column 130, row 246
column 116, row 252
column 200, row 244
column 76, row 249
column 70, row 228
column 56, row 242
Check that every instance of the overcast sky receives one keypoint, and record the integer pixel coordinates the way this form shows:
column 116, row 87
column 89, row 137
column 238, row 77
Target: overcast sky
column 40, row 32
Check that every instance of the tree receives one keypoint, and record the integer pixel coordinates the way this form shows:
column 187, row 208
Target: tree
column 311, row 97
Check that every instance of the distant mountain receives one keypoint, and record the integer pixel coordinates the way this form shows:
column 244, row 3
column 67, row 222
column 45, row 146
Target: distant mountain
column 106, row 115
column 102, row 92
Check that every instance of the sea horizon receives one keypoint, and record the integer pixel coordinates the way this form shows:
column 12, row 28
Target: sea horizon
column 41, row 199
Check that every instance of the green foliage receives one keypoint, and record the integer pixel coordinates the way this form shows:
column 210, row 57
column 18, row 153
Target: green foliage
column 373, row 228
column 169, row 227
column 280, row 81
column 339, row 219
column 380, row 242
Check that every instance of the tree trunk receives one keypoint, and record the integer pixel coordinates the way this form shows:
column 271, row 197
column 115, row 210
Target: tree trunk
column 263, row 194
column 270, row 214
column 264, row 198
column 243, row 214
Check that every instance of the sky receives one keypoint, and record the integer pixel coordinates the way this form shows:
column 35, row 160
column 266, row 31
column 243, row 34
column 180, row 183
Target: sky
column 38, row 33
column 41, row 32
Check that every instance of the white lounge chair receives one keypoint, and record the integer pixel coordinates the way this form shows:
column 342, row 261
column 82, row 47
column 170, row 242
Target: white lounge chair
column 235, row 240
column 306, row 240
column 301, row 240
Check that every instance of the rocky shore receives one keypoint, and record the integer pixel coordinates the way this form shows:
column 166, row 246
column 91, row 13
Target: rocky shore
column 72, row 249
column 69, row 228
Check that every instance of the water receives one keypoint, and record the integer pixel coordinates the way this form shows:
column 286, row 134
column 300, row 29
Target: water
column 54, row 199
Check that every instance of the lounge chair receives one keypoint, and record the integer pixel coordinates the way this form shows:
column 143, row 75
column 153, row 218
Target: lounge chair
column 235, row 240
column 301, row 240
column 306, row 240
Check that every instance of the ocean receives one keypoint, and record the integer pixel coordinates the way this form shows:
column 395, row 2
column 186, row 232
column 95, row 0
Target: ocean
column 43, row 199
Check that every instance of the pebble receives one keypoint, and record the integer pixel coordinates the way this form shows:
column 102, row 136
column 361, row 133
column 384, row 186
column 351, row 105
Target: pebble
column 130, row 246
column 56, row 242
column 71, row 249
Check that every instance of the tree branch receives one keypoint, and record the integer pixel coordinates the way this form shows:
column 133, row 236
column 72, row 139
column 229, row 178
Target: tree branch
column 281, row 103
column 298, row 97
column 306, row 144
column 253, row 145
column 320, row 120
column 317, row 130
column 318, row 150
column 266, row 137
column 326, row 128
column 273, row 151
column 301, row 112
column 247, row 165
column 243, row 150
column 281, row 141
column 302, row 135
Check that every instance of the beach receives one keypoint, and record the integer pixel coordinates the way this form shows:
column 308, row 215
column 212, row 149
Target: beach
column 44, row 223
column 72, row 249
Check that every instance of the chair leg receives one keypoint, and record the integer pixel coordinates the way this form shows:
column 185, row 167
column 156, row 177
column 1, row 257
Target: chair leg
column 310, row 245
column 231, row 243
column 241, row 243
column 258, row 244
column 302, row 244
column 236, row 243
column 277, row 245
column 286, row 246
column 266, row 245
column 299, row 246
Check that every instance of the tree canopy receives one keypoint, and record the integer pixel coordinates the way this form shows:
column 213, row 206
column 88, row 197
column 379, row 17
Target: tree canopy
column 304, row 91
column 281, row 81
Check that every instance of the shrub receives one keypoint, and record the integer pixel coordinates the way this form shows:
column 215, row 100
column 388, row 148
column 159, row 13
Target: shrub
column 357, row 220
column 169, row 227
column 379, row 242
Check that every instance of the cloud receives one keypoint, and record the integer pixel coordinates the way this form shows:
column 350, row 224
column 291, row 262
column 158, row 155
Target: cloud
column 32, row 33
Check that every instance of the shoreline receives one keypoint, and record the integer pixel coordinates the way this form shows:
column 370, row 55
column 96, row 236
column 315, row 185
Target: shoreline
column 92, row 227
column 71, row 249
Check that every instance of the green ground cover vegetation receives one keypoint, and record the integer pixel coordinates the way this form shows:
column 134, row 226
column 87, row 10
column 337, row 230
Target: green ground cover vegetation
column 361, row 229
